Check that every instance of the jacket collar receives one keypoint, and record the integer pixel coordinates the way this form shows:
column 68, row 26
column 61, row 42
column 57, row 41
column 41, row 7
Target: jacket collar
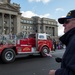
column 66, row 37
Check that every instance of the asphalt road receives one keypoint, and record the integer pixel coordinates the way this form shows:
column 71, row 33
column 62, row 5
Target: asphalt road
column 34, row 65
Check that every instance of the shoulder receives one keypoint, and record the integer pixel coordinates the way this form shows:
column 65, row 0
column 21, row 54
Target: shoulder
column 72, row 39
column 71, row 42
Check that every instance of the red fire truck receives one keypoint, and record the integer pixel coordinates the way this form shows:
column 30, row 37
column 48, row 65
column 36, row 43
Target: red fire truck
column 39, row 43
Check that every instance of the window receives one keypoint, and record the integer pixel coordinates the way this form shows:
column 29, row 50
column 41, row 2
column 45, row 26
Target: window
column 25, row 27
column 28, row 21
column 5, row 22
column 21, row 20
column 49, row 28
column 12, row 22
column 41, row 36
column 31, row 28
column 46, row 27
column 55, row 23
column 45, row 22
column 40, row 27
column 25, row 21
column 51, row 22
column 31, row 22
column 22, row 27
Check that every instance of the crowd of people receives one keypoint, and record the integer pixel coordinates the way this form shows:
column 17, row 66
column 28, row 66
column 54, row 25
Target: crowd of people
column 58, row 44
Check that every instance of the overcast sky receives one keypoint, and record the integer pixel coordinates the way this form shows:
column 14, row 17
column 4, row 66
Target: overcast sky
column 53, row 9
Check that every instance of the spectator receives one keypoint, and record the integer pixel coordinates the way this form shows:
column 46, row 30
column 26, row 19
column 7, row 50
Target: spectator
column 68, row 39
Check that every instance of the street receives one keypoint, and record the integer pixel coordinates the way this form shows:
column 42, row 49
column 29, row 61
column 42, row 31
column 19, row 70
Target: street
column 34, row 65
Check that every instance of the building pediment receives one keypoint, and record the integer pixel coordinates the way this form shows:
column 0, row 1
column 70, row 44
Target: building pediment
column 9, row 7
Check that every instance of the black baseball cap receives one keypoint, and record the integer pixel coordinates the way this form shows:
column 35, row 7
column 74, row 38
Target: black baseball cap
column 70, row 15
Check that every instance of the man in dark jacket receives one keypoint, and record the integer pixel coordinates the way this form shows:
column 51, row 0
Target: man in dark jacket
column 68, row 60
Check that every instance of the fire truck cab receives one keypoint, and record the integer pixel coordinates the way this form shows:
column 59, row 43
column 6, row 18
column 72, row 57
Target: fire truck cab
column 39, row 43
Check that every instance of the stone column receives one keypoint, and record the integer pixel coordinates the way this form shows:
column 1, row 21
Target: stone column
column 56, row 31
column 15, row 24
column 44, row 28
column 2, row 23
column 9, row 23
column 17, row 20
column 51, row 31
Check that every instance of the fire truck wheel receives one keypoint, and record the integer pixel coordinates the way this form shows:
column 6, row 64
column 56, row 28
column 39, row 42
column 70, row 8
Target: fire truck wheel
column 44, row 51
column 8, row 55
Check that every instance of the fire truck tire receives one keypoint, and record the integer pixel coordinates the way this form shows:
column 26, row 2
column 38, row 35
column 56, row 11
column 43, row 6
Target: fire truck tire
column 8, row 55
column 44, row 51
